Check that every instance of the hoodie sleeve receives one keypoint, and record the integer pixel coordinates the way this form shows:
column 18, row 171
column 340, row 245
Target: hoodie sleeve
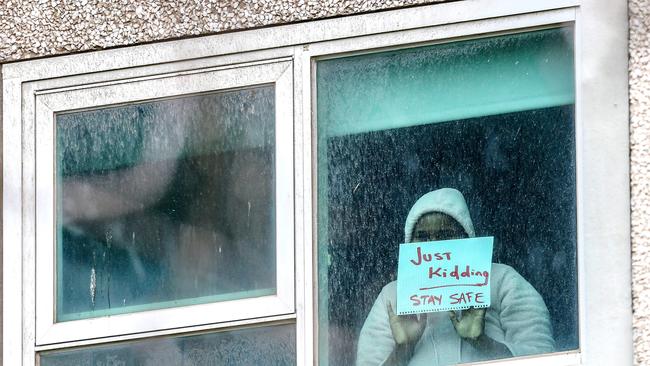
column 376, row 340
column 524, row 317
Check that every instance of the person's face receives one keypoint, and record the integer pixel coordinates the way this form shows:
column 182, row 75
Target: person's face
column 437, row 226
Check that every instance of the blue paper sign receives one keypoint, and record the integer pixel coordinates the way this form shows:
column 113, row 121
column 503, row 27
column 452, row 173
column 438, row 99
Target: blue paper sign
column 444, row 275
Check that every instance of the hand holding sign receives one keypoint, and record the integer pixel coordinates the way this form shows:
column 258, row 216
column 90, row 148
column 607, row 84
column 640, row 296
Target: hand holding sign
column 406, row 329
column 444, row 275
column 471, row 325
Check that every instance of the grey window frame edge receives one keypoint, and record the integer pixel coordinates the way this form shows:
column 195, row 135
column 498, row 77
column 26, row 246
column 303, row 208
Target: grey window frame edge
column 603, row 135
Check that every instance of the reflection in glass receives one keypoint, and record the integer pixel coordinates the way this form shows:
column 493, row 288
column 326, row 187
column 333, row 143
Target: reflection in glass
column 272, row 346
column 493, row 118
column 165, row 203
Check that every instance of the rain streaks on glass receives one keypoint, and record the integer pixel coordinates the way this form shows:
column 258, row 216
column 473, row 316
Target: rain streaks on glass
column 268, row 346
column 492, row 118
column 165, row 203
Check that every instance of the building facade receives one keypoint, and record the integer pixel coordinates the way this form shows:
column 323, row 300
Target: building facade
column 542, row 105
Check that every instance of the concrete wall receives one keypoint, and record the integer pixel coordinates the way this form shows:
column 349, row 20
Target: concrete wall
column 35, row 28
column 32, row 28
column 640, row 174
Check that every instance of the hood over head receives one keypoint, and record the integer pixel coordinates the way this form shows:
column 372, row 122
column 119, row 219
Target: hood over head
column 448, row 201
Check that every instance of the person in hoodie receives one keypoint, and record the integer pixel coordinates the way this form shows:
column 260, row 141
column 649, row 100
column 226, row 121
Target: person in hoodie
column 517, row 322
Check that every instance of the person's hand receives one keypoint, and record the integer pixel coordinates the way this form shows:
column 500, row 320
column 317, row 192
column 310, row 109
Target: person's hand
column 407, row 329
column 471, row 324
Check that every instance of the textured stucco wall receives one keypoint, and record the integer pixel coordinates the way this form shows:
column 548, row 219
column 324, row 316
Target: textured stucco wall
column 640, row 174
column 32, row 28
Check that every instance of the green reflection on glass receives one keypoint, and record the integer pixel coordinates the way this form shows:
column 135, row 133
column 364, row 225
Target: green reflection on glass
column 445, row 82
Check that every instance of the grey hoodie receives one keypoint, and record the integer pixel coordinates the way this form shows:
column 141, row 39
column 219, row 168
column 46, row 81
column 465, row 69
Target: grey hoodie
column 517, row 317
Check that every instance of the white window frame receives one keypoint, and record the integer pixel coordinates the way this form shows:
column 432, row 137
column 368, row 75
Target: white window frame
column 50, row 102
column 601, row 152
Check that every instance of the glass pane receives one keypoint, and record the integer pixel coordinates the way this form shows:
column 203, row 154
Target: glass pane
column 273, row 345
column 510, row 159
column 166, row 203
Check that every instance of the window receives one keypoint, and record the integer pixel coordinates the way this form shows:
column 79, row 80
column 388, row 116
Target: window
column 491, row 117
column 240, row 198
column 144, row 188
column 150, row 209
